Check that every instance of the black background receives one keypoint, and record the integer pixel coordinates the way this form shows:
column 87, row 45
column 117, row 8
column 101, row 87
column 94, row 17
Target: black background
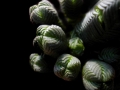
column 20, row 47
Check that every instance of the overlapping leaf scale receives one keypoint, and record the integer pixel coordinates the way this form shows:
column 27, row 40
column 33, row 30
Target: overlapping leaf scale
column 40, row 30
column 110, row 54
column 90, row 85
column 92, row 71
column 38, row 40
column 54, row 40
column 60, row 66
column 74, row 66
column 67, row 67
column 41, row 3
column 51, row 46
column 108, row 73
column 44, row 15
column 32, row 8
column 71, row 7
column 45, row 3
column 101, row 23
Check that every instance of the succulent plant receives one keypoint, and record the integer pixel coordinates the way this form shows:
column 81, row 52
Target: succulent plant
column 110, row 54
column 38, row 63
column 100, row 24
column 71, row 41
column 96, row 74
column 51, row 39
column 76, row 46
column 67, row 67
column 44, row 13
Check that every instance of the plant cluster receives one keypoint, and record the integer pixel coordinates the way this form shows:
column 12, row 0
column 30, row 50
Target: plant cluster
column 79, row 43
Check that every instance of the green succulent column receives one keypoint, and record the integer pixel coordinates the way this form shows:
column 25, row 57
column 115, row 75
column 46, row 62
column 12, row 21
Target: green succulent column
column 76, row 46
column 45, row 13
column 100, row 24
column 67, row 67
column 51, row 39
column 98, row 75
